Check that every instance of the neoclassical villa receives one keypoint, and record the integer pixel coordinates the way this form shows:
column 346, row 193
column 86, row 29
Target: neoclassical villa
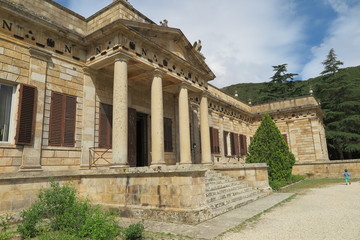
column 122, row 107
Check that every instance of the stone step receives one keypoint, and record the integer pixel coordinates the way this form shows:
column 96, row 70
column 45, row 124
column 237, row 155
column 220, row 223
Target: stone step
column 237, row 204
column 225, row 190
column 233, row 199
column 223, row 195
column 224, row 185
column 218, row 180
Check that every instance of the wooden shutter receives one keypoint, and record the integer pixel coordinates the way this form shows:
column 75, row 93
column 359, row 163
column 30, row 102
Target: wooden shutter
column 236, row 143
column 225, row 143
column 62, row 120
column 168, row 135
column 26, row 115
column 285, row 137
column 212, row 147
column 132, row 137
column 217, row 140
column 232, row 143
column 69, row 121
column 243, row 145
column 105, row 125
column 56, row 119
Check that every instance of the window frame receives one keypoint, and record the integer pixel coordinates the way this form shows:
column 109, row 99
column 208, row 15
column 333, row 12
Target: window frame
column 12, row 120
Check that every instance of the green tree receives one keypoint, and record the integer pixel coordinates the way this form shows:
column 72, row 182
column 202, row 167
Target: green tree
column 331, row 64
column 269, row 146
column 340, row 100
column 280, row 85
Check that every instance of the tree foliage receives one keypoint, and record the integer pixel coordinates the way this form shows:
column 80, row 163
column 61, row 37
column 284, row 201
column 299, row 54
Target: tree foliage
column 339, row 95
column 280, row 86
column 269, row 146
column 340, row 101
column 331, row 64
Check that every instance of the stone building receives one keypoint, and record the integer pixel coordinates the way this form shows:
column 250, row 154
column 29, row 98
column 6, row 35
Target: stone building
column 122, row 107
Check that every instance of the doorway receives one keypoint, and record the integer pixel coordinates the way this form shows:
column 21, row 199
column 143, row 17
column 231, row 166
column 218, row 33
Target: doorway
column 137, row 138
column 141, row 140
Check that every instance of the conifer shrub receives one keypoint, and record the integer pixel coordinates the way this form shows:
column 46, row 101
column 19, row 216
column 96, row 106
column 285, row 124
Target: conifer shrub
column 269, row 146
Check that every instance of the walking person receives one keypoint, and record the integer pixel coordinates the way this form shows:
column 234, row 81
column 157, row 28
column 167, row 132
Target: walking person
column 347, row 177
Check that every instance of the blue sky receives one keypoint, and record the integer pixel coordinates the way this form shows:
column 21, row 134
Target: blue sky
column 243, row 39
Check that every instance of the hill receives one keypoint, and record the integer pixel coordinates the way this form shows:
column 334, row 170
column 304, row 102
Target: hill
column 339, row 95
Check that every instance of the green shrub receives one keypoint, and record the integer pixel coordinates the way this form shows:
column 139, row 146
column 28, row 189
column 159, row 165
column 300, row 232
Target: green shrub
column 59, row 210
column 269, row 147
column 99, row 225
column 134, row 231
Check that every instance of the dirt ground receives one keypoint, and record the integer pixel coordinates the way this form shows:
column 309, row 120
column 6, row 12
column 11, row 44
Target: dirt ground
column 331, row 212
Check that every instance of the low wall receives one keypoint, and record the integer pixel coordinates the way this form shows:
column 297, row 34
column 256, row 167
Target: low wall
column 169, row 193
column 254, row 174
column 328, row 169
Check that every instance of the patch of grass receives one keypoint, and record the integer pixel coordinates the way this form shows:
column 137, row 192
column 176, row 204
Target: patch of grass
column 307, row 184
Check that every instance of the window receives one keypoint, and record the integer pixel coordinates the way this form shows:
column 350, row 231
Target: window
column 6, row 102
column 62, row 120
column 105, row 125
column 214, row 140
column 168, row 135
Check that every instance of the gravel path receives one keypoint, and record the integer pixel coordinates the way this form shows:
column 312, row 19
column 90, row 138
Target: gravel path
column 332, row 212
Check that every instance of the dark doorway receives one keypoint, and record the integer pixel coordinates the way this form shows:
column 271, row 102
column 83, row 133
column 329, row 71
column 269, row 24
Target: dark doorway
column 141, row 140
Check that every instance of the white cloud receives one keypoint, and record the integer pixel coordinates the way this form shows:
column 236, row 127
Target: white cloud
column 241, row 39
column 343, row 36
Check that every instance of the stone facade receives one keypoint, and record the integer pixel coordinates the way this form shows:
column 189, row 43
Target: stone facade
column 116, row 93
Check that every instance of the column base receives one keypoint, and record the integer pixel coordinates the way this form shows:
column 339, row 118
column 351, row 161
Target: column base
column 118, row 166
column 84, row 167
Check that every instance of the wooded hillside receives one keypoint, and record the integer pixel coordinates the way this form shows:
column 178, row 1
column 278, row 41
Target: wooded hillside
column 339, row 96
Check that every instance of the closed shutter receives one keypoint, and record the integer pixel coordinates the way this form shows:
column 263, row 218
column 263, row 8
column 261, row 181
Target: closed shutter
column 26, row 115
column 217, row 141
column 69, row 121
column 168, row 135
column 243, row 145
column 62, row 120
column 56, row 119
column 212, row 146
column 232, row 143
column 236, row 143
column 285, row 137
column 105, row 125
column 225, row 143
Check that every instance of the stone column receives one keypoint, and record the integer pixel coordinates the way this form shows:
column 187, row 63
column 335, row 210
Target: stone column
column 31, row 159
column 157, row 120
column 184, row 126
column 89, row 103
column 204, row 130
column 120, row 114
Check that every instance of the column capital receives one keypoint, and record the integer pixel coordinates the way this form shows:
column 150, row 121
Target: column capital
column 205, row 94
column 89, row 71
column 119, row 56
column 184, row 85
column 158, row 72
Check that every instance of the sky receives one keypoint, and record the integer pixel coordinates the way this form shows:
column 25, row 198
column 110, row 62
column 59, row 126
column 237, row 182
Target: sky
column 243, row 39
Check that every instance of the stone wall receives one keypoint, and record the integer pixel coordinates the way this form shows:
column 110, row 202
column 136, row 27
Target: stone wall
column 328, row 169
column 171, row 193
column 255, row 175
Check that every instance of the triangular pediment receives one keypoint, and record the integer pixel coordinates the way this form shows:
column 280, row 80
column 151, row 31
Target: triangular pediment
column 172, row 40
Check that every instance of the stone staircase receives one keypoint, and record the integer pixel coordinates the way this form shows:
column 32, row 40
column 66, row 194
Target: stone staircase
column 224, row 193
